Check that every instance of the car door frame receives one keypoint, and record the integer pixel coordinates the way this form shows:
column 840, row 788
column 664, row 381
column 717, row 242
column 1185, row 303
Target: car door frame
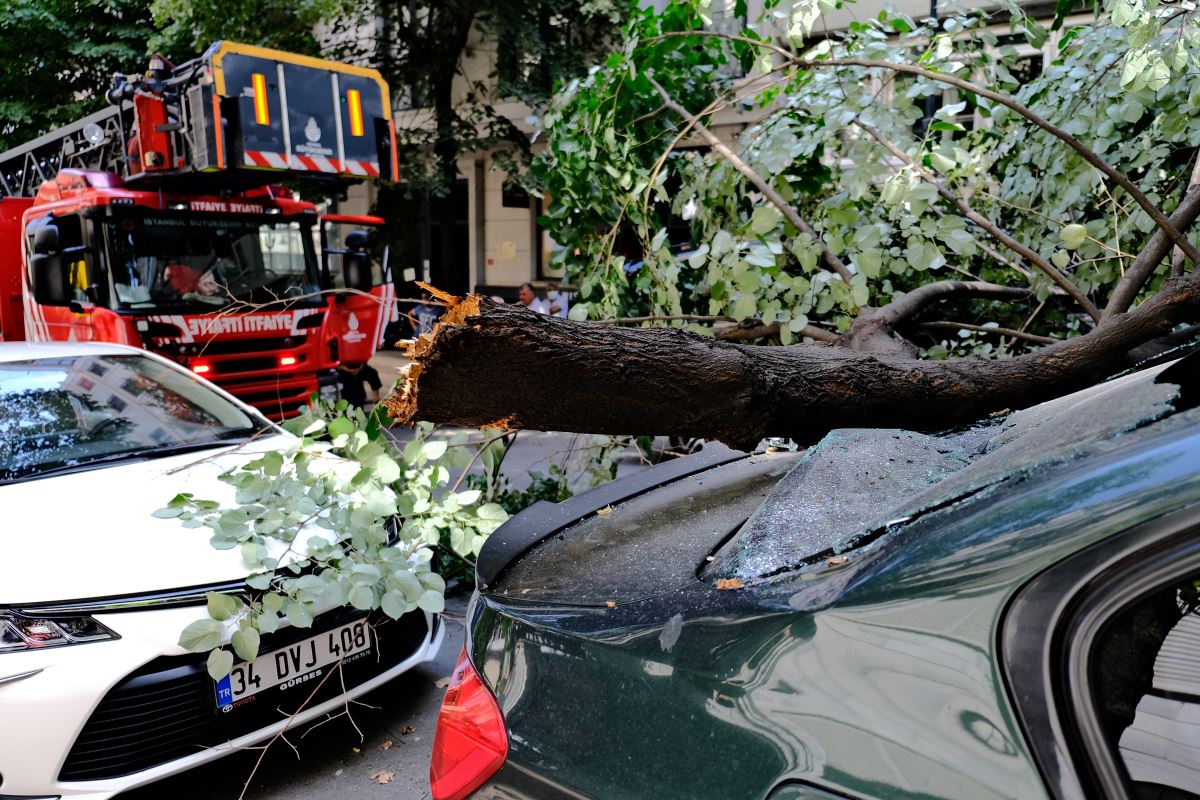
column 1050, row 629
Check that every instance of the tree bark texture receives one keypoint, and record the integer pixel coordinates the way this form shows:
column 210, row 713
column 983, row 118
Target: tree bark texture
column 495, row 365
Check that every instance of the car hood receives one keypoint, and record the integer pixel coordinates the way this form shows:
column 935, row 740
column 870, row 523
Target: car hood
column 90, row 534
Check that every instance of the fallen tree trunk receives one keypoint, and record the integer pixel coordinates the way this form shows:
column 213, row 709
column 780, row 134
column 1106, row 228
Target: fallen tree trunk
column 489, row 364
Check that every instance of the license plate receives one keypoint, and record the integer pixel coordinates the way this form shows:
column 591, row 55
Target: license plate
column 296, row 665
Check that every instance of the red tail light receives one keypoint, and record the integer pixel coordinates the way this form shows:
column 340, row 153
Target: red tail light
column 200, row 368
column 287, row 361
column 470, row 743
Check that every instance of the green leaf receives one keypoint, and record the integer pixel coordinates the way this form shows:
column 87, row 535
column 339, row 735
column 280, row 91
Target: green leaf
column 467, row 498
column 941, row 163
column 432, row 451
column 299, row 615
column 1061, row 259
column 1073, row 236
column 386, row 470
column 259, row 580
column 202, row 635
column 432, row 601
column 222, row 606
column 167, row 513
column 245, row 643
column 492, row 511
column 220, row 662
column 764, row 219
column 340, row 426
column 365, row 574
column 361, row 597
column 394, row 604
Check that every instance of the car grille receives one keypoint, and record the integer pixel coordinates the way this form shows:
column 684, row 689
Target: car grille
column 167, row 708
column 220, row 346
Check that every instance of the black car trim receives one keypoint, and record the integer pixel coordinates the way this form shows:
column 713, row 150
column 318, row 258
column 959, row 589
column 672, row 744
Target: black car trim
column 1047, row 678
column 542, row 519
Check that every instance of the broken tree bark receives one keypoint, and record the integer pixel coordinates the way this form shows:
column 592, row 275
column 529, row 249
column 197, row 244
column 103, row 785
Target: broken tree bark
column 489, row 364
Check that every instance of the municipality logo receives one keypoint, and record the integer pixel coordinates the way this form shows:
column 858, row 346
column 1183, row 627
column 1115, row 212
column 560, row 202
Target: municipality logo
column 312, row 131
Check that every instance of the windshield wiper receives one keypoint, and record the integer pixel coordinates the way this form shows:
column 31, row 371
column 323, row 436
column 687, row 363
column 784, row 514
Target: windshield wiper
column 138, row 454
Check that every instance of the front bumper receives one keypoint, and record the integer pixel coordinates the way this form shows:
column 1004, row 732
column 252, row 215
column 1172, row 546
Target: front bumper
column 90, row 721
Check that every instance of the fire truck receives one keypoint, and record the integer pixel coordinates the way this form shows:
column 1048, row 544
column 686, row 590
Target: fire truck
column 162, row 221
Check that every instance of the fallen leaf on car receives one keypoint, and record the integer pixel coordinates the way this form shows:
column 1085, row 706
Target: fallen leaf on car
column 604, row 512
column 442, row 683
column 387, row 745
column 407, row 730
column 610, row 604
column 836, row 560
column 384, row 776
column 355, row 749
column 729, row 583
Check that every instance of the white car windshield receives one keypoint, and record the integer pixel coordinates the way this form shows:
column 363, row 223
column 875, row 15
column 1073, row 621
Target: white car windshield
column 66, row 413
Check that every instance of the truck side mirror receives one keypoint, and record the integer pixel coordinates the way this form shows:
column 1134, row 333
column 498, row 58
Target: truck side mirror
column 356, row 271
column 45, row 239
column 51, row 284
column 356, row 263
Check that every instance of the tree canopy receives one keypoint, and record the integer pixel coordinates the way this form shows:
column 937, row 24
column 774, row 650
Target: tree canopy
column 1040, row 220
column 58, row 56
column 838, row 199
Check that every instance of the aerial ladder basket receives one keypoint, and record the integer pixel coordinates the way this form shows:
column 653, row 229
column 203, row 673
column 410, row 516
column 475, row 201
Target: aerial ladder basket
column 235, row 117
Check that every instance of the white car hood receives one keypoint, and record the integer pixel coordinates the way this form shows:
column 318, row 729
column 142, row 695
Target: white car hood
column 90, row 534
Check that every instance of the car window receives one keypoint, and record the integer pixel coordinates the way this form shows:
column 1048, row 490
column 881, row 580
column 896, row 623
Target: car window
column 62, row 412
column 1146, row 668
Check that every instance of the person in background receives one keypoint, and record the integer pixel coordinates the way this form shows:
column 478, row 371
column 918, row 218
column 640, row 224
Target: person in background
column 528, row 298
column 425, row 315
column 556, row 300
column 351, row 379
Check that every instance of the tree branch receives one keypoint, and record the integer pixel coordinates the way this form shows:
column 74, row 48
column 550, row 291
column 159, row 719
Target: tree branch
column 590, row 378
column 905, row 307
column 1087, row 153
column 773, row 197
column 743, row 334
column 964, row 326
column 1177, row 260
column 1012, row 244
column 874, row 329
column 1151, row 256
column 668, row 318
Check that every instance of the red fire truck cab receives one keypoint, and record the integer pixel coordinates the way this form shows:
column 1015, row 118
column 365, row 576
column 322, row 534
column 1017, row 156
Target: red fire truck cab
column 160, row 223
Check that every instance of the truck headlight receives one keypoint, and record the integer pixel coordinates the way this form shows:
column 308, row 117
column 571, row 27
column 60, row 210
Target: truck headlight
column 18, row 632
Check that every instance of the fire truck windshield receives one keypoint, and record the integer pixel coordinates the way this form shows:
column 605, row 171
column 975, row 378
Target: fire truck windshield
column 161, row 260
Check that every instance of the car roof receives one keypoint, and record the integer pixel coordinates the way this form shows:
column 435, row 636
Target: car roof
column 26, row 351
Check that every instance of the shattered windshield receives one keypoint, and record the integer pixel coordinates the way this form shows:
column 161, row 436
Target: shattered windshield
column 197, row 262
column 856, row 485
column 68, row 412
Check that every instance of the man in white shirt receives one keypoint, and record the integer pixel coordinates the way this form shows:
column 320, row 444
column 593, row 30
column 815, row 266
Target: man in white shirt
column 528, row 298
column 556, row 301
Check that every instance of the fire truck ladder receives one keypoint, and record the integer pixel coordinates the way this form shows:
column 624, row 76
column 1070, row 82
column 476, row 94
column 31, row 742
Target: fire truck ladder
column 96, row 142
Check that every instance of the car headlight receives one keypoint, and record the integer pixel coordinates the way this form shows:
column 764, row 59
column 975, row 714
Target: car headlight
column 18, row 632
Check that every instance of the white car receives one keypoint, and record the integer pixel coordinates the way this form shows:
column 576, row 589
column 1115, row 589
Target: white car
column 96, row 695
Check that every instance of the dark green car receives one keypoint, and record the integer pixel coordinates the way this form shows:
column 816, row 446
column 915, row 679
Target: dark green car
column 998, row 612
